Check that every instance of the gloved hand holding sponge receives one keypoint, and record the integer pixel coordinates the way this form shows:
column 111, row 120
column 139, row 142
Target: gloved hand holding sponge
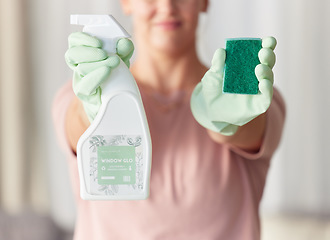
column 225, row 112
column 212, row 108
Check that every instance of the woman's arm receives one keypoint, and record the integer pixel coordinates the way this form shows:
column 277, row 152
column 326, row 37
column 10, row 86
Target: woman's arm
column 76, row 122
column 248, row 137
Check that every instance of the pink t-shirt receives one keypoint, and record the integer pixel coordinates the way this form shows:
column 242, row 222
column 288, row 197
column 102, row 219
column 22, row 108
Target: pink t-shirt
column 198, row 189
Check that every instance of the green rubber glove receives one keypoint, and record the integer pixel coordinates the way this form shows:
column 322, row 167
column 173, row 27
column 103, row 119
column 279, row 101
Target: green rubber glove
column 224, row 113
column 91, row 66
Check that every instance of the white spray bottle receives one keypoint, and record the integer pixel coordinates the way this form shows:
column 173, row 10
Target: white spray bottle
column 114, row 154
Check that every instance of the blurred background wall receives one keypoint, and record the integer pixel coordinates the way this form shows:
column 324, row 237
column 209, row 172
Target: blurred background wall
column 33, row 40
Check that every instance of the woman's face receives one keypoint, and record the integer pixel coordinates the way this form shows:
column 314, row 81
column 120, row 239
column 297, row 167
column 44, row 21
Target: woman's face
column 167, row 25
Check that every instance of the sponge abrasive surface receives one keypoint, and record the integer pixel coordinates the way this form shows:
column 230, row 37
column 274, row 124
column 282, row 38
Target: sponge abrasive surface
column 241, row 60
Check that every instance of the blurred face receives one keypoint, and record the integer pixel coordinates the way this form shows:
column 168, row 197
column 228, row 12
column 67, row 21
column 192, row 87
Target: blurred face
column 167, row 25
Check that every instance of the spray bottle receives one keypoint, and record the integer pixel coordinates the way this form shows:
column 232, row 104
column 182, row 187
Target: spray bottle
column 114, row 154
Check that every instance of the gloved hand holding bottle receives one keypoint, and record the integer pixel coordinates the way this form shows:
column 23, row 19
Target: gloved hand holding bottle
column 224, row 113
column 92, row 65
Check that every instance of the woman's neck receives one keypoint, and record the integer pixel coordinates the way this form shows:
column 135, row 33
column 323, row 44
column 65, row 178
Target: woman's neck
column 165, row 72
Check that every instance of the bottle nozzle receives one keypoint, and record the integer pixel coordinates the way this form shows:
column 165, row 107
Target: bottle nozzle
column 105, row 26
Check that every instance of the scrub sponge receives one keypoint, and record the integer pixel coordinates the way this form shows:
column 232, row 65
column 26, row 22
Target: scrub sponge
column 241, row 60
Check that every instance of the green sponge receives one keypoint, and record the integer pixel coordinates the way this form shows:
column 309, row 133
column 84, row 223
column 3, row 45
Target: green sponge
column 241, row 60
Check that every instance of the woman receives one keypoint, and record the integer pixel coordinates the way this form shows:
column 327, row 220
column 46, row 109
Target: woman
column 208, row 175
